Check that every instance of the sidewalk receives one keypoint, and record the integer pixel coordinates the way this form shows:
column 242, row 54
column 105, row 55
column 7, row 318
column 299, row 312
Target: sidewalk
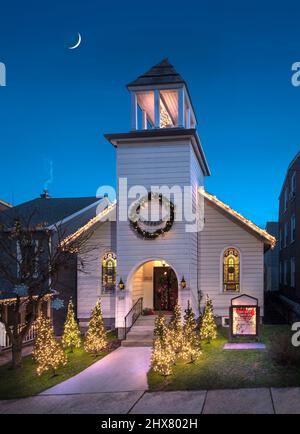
column 232, row 401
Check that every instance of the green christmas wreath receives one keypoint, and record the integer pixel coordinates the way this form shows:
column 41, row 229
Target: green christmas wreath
column 135, row 221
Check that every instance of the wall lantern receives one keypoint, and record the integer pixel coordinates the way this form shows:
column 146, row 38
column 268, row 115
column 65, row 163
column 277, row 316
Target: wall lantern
column 121, row 285
column 183, row 283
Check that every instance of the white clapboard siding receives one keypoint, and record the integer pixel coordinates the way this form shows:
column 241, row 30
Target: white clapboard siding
column 138, row 283
column 163, row 163
column 89, row 282
column 219, row 233
column 196, row 181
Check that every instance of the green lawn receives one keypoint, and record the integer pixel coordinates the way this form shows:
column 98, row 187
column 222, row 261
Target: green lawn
column 25, row 382
column 220, row 369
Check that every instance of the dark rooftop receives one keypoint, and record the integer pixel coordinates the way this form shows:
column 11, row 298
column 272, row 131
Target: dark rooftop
column 4, row 205
column 46, row 210
column 297, row 156
column 162, row 73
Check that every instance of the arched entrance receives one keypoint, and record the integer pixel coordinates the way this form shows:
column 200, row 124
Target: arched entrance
column 156, row 282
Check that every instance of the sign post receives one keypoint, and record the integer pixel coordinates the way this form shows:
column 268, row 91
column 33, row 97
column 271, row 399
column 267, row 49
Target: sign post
column 244, row 317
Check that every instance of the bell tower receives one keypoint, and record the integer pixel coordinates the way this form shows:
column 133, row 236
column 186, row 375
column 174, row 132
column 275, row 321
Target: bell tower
column 163, row 150
column 160, row 99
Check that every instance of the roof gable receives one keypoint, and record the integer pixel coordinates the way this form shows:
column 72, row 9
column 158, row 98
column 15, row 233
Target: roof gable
column 91, row 225
column 238, row 218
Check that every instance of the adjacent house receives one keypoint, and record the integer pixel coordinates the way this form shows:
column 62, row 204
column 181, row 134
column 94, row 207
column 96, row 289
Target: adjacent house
column 48, row 214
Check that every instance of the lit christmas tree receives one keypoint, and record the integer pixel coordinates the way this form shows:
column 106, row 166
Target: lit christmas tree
column 176, row 330
column 191, row 347
column 208, row 329
column 47, row 351
column 160, row 327
column 163, row 355
column 71, row 337
column 96, row 340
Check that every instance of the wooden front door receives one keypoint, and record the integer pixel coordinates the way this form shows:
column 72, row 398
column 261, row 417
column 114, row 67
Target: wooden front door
column 165, row 288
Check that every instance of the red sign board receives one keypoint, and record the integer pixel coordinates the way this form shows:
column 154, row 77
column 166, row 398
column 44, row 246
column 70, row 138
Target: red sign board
column 244, row 317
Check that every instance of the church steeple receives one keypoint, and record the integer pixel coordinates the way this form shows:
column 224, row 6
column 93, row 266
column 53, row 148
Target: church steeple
column 160, row 99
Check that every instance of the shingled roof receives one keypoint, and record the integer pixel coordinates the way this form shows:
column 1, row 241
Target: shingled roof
column 46, row 211
column 162, row 73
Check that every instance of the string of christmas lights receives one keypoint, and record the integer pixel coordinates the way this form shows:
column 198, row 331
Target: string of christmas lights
column 191, row 348
column 71, row 337
column 176, row 330
column 47, row 352
column 163, row 354
column 96, row 340
column 208, row 330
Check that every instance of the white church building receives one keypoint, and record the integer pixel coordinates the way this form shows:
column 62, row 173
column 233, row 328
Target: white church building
column 150, row 263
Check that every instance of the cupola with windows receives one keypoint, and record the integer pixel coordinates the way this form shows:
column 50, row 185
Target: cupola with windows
column 160, row 99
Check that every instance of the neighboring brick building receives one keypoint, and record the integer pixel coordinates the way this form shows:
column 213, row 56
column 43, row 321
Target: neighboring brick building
column 289, row 240
column 271, row 259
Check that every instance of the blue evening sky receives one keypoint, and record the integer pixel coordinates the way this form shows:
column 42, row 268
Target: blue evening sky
column 235, row 56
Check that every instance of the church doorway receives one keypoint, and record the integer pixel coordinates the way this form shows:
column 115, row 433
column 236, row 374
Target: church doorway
column 156, row 282
column 165, row 288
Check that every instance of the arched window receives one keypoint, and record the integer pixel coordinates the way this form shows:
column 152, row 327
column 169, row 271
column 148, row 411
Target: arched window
column 109, row 272
column 231, row 270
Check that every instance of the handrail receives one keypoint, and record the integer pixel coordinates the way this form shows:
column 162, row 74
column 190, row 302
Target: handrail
column 135, row 312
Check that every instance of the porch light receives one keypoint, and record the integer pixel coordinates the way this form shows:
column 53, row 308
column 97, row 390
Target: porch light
column 183, row 283
column 121, row 285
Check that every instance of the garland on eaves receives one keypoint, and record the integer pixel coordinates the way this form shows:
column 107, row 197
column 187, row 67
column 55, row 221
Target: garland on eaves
column 134, row 220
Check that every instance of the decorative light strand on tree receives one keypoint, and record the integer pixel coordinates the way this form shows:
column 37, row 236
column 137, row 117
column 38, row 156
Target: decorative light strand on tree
column 163, row 355
column 47, row 352
column 176, row 330
column 191, row 348
column 208, row 330
column 96, row 340
column 71, row 337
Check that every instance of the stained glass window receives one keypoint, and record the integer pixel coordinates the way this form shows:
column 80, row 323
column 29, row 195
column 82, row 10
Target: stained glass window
column 231, row 270
column 109, row 272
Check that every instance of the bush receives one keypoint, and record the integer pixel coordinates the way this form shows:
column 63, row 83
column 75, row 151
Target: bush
column 282, row 351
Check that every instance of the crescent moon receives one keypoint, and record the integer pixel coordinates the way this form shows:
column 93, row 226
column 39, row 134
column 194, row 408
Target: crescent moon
column 77, row 43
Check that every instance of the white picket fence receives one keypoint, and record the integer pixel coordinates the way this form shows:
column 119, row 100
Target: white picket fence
column 4, row 338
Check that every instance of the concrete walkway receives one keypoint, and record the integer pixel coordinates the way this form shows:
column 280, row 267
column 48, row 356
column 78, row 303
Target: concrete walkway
column 233, row 401
column 117, row 384
column 123, row 370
